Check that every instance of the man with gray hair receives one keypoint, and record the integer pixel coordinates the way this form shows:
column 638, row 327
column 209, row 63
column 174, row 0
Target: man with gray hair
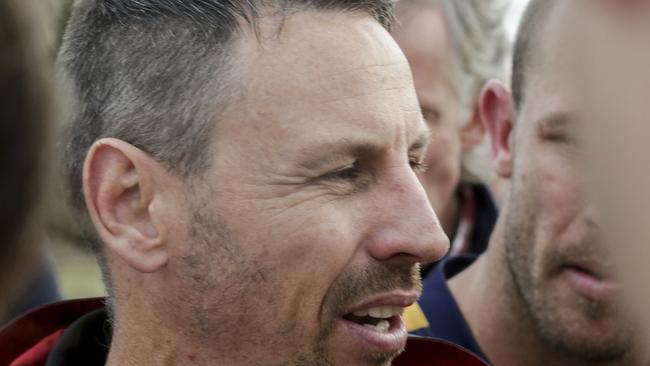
column 453, row 48
column 248, row 168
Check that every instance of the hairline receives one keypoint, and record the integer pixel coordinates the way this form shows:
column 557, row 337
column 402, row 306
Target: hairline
column 530, row 39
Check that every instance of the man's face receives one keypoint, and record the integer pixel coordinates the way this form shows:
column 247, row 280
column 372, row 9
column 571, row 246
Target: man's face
column 613, row 84
column 421, row 33
column 308, row 227
column 553, row 239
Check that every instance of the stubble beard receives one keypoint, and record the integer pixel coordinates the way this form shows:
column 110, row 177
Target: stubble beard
column 352, row 284
column 540, row 307
column 356, row 284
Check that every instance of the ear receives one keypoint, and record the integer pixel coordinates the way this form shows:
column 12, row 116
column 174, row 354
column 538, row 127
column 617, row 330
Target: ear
column 118, row 183
column 496, row 113
column 473, row 132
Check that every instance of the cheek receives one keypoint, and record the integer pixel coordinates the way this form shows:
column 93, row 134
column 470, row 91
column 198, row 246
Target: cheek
column 443, row 162
column 560, row 196
column 552, row 191
column 303, row 254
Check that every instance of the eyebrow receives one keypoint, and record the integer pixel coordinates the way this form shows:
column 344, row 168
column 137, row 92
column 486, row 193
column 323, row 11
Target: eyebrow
column 558, row 119
column 423, row 140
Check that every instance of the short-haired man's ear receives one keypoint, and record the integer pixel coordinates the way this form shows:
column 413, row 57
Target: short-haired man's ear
column 496, row 112
column 119, row 190
column 473, row 132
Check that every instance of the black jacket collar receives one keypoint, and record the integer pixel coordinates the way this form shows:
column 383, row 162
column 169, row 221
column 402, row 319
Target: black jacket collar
column 85, row 343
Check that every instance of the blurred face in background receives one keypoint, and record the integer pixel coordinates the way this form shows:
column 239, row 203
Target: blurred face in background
column 613, row 83
column 554, row 244
column 421, row 32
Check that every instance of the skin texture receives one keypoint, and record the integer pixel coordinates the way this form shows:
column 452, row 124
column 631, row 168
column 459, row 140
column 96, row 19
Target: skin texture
column 422, row 34
column 311, row 206
column 614, row 37
column 548, row 224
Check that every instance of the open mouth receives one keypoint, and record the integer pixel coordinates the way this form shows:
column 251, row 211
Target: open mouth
column 378, row 329
column 380, row 319
column 375, row 325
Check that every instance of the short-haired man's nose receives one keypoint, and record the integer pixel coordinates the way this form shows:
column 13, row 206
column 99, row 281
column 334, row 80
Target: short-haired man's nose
column 407, row 228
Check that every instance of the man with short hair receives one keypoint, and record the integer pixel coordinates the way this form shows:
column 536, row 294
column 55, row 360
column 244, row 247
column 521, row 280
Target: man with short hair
column 249, row 170
column 543, row 293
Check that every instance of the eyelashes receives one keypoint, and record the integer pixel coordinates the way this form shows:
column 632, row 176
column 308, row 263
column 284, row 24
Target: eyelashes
column 418, row 165
column 346, row 173
column 354, row 172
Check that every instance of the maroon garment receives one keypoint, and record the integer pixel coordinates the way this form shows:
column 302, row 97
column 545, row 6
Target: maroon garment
column 37, row 355
column 422, row 351
column 29, row 340
column 25, row 334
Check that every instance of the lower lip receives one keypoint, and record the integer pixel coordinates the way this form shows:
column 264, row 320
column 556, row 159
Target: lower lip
column 590, row 286
column 394, row 340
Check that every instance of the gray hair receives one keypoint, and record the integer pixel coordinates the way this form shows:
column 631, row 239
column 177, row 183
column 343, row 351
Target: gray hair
column 481, row 51
column 480, row 42
column 157, row 73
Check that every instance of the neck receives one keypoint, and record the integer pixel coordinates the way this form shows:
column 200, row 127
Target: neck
column 504, row 329
column 155, row 330
column 130, row 347
column 145, row 335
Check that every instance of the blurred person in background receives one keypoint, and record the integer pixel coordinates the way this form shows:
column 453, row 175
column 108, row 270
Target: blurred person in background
column 544, row 292
column 26, row 277
column 612, row 79
column 453, row 48
column 249, row 170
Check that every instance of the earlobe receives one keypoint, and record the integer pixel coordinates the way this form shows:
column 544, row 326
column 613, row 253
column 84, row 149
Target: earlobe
column 119, row 190
column 496, row 113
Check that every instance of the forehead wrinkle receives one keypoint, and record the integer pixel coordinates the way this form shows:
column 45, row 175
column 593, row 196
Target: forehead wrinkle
column 312, row 87
column 339, row 59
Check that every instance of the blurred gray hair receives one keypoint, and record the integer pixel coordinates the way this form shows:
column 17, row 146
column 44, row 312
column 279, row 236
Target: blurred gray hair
column 481, row 51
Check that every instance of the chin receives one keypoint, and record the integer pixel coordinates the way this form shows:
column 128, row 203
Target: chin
column 588, row 330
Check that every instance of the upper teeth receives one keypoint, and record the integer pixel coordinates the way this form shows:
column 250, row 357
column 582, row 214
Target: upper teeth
column 381, row 312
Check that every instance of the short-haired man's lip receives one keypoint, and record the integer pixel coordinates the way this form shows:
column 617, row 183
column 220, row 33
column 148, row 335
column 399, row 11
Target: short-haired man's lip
column 383, row 336
column 397, row 298
column 591, row 284
column 593, row 268
column 376, row 323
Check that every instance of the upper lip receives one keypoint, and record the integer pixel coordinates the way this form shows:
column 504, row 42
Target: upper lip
column 592, row 267
column 394, row 298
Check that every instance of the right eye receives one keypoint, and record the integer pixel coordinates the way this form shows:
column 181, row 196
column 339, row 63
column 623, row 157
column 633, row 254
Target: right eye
column 347, row 173
column 432, row 117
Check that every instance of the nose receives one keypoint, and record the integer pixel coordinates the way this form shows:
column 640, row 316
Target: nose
column 406, row 228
